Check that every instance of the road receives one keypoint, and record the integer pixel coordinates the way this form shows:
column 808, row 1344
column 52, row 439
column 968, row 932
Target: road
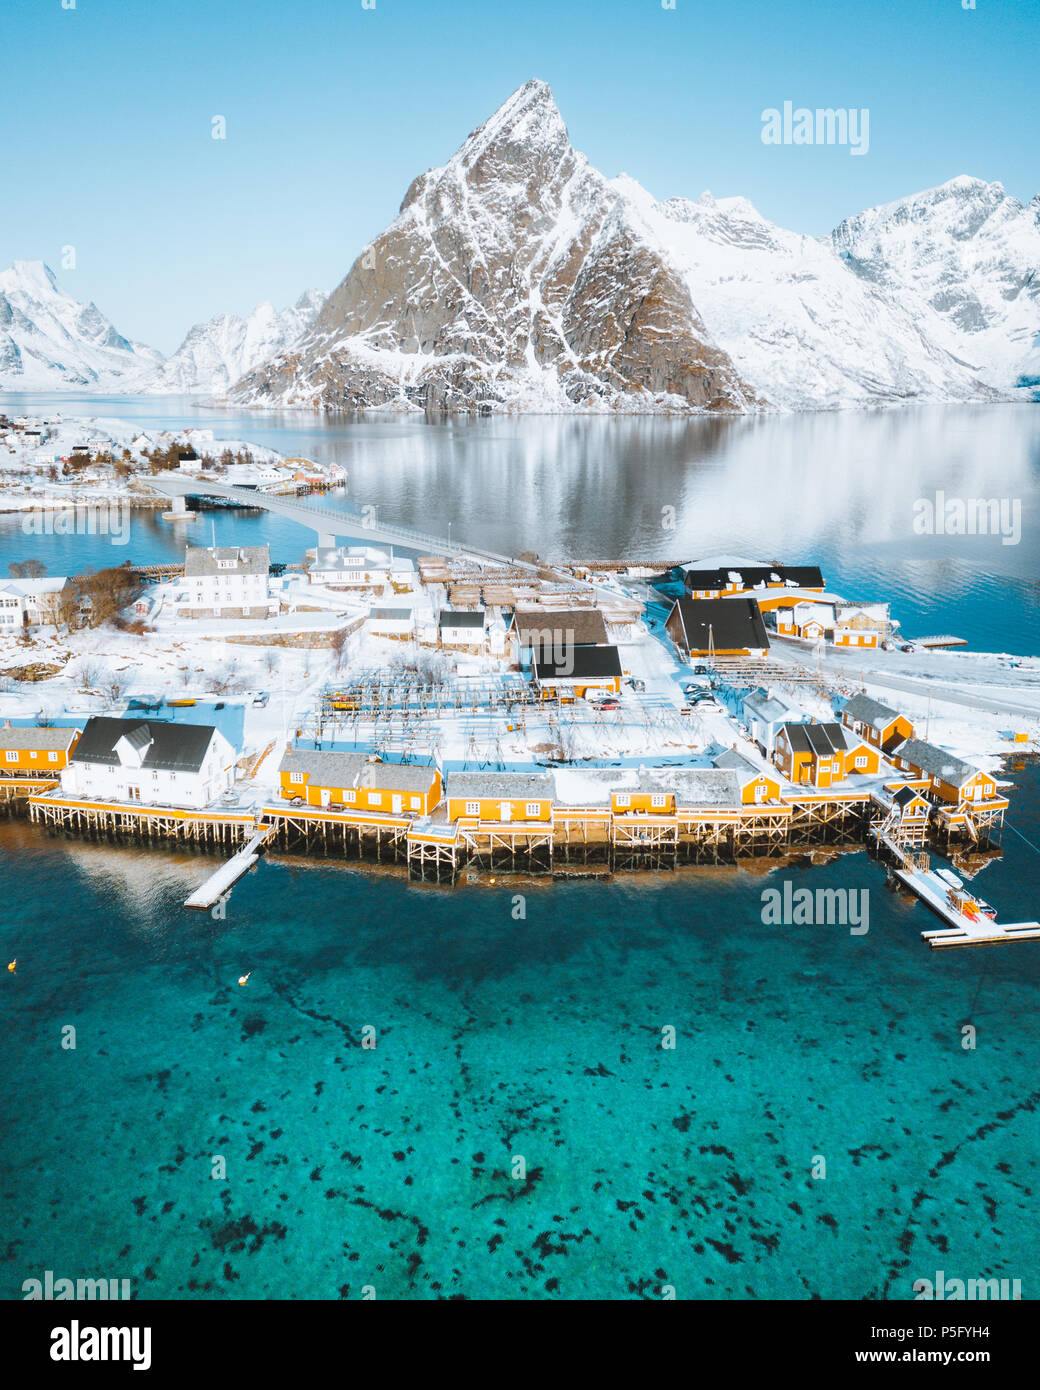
column 873, row 669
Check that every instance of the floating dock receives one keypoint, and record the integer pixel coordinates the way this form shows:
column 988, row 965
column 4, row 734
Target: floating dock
column 225, row 878
column 978, row 930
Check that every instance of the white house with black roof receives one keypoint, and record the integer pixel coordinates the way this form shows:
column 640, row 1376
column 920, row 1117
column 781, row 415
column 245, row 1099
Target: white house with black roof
column 150, row 762
column 461, row 627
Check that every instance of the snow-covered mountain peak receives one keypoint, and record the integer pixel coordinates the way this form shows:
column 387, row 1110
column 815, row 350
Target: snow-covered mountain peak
column 217, row 352
column 529, row 120
column 32, row 278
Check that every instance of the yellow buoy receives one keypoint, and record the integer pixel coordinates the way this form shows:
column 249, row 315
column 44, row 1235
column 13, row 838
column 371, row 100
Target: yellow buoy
column 11, row 965
column 243, row 978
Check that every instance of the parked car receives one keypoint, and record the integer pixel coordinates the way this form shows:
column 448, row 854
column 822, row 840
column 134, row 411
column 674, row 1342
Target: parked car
column 700, row 670
column 636, row 683
column 609, row 704
column 907, row 647
column 261, row 698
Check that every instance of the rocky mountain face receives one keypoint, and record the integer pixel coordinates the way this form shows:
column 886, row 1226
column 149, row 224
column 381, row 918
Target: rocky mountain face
column 517, row 276
column 50, row 341
column 216, row 353
column 514, row 275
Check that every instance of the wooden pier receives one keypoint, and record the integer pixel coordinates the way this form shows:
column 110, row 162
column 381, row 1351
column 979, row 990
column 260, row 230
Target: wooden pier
column 117, row 820
column 220, row 883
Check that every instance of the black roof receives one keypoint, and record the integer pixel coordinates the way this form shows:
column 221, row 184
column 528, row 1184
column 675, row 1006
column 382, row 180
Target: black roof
column 173, row 747
column 751, row 576
column 735, row 623
column 577, row 663
column 821, row 739
column 905, row 795
column 461, row 617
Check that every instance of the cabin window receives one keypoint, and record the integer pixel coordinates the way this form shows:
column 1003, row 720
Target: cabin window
column 348, row 795
column 861, row 761
column 12, row 755
column 657, row 800
column 52, row 757
column 416, row 802
column 760, row 792
column 296, row 778
column 533, row 809
column 472, row 808
column 623, row 799
column 376, row 798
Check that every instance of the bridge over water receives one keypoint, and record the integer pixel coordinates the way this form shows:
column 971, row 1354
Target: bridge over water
column 330, row 523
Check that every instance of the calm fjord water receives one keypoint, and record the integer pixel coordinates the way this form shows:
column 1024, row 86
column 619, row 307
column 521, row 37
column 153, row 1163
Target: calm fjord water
column 541, row 1038
column 835, row 488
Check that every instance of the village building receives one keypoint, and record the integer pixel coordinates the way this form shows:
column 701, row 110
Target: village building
column 724, row 579
column 755, row 782
column 396, row 622
column 31, row 602
column 910, row 813
column 461, row 627
column 35, row 751
column 881, row 726
column 811, row 619
column 546, row 631
column 501, row 796
column 717, row 627
column 950, row 778
column 227, row 582
column 359, row 782
column 152, row 763
column 861, row 625
column 765, row 713
column 359, row 567
column 571, row 674
column 811, row 753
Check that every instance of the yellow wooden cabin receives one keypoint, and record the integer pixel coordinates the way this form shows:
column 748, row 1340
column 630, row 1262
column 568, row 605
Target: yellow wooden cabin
column 812, row 754
column 359, row 782
column 950, row 779
column 757, row 783
column 880, row 725
column 35, row 751
column 499, row 797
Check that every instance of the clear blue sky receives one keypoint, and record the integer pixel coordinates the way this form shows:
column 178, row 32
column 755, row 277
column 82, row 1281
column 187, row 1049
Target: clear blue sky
column 105, row 120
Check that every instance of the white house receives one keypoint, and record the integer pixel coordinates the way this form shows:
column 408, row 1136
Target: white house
column 154, row 762
column 30, row 601
column 227, row 582
column 461, row 627
column 391, row 622
column 360, row 567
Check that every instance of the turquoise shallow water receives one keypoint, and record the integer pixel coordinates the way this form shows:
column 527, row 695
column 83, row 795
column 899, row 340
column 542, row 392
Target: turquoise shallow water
column 497, row 1038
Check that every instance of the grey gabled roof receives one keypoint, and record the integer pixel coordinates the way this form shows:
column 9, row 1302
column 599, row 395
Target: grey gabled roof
column 744, row 768
column 398, row 777
column 936, row 762
column 249, row 559
column 327, row 766
column 509, row 786
column 695, row 786
column 172, row 747
column 762, row 705
column 869, row 711
column 46, row 740
column 401, row 615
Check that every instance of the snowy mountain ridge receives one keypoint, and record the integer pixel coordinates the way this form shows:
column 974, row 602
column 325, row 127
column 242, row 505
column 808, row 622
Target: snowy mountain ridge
column 517, row 276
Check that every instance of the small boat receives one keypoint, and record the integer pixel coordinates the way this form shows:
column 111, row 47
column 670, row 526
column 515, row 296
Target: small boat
column 986, row 909
column 179, row 704
column 949, row 878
